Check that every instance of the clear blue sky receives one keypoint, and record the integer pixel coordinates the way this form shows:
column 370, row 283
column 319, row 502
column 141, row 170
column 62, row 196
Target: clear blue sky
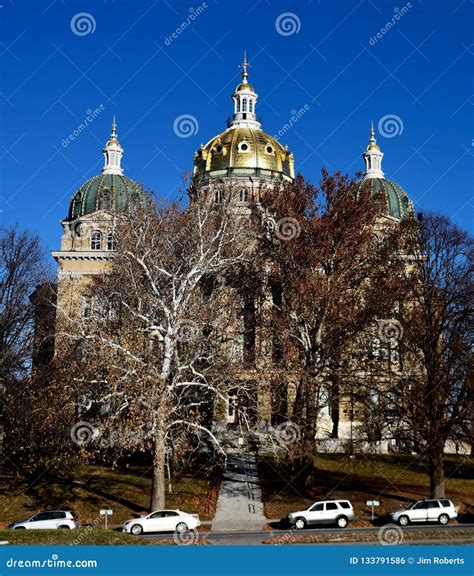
column 328, row 58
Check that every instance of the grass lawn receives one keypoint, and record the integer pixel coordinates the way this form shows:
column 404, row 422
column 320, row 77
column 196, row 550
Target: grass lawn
column 127, row 492
column 73, row 537
column 393, row 480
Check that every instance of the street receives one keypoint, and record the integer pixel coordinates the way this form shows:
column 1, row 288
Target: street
column 258, row 536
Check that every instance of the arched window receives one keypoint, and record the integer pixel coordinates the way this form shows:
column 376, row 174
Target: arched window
column 111, row 241
column 96, row 240
column 238, row 104
column 218, row 196
column 244, row 105
column 250, row 105
column 243, row 195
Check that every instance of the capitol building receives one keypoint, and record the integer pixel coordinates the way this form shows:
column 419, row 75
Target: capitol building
column 243, row 158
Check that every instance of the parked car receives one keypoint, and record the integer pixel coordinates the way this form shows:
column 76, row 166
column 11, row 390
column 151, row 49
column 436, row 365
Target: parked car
column 162, row 521
column 339, row 512
column 49, row 519
column 441, row 511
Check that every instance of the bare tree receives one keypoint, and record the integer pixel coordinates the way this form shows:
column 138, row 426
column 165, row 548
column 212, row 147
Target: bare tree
column 436, row 317
column 22, row 268
column 150, row 354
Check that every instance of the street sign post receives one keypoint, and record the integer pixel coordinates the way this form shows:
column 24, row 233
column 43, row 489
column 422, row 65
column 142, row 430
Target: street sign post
column 106, row 512
column 373, row 504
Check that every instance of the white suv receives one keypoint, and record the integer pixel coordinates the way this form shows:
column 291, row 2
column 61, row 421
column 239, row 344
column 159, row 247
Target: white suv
column 49, row 519
column 337, row 512
column 441, row 511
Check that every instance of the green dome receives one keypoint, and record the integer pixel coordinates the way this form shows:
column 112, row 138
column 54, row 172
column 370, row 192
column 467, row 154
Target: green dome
column 113, row 192
column 398, row 204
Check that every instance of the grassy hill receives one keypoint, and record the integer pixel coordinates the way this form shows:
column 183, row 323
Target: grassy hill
column 394, row 480
column 91, row 488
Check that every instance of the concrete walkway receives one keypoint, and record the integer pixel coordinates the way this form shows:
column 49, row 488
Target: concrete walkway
column 239, row 505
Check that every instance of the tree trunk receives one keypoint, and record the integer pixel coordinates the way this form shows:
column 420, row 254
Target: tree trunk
column 436, row 467
column 309, row 433
column 334, row 407
column 158, row 496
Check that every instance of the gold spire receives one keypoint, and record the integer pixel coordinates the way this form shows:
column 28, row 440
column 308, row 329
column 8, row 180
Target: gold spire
column 372, row 142
column 244, row 67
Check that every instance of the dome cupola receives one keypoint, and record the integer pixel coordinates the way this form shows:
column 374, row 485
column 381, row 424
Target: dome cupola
column 245, row 102
column 113, row 153
column 111, row 190
column 397, row 203
column 373, row 157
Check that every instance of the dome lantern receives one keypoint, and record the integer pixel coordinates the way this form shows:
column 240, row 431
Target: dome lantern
column 245, row 101
column 113, row 153
column 373, row 157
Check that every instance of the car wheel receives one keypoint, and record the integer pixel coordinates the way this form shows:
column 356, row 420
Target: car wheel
column 181, row 527
column 403, row 520
column 300, row 523
column 136, row 529
column 341, row 521
column 443, row 519
column 63, row 527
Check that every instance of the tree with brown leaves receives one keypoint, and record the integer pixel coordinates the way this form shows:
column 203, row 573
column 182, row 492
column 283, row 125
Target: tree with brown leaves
column 332, row 270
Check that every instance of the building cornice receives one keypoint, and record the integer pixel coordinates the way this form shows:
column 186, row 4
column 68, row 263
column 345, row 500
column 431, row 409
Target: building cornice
column 84, row 255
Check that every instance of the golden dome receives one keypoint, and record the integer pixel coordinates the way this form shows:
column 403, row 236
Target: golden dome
column 242, row 151
column 244, row 86
column 373, row 146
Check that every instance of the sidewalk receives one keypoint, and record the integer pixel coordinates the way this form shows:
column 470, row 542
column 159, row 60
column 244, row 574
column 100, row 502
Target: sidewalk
column 239, row 505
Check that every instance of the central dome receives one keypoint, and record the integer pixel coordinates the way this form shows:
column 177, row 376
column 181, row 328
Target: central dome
column 244, row 149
